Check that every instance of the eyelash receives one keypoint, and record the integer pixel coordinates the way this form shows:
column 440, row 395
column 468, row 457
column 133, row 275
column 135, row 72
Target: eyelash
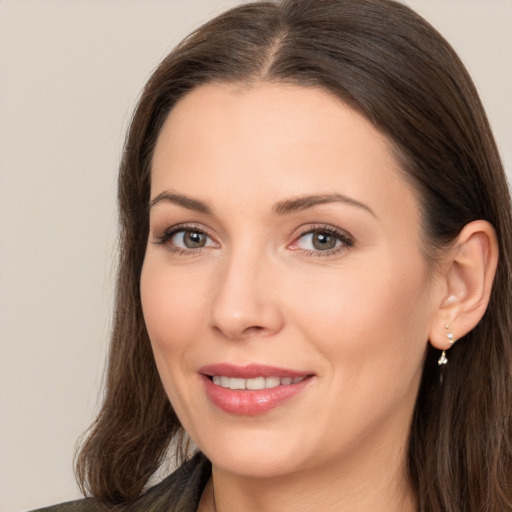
column 347, row 241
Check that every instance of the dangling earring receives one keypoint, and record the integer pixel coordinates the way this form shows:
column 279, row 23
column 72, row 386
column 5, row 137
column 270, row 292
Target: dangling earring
column 443, row 359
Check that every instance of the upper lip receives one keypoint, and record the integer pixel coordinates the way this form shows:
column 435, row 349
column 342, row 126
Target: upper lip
column 250, row 371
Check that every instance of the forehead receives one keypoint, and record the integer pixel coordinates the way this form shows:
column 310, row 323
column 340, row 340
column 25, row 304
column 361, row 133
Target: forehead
column 263, row 112
column 274, row 140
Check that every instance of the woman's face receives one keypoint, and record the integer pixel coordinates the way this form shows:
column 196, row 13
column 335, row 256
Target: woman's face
column 284, row 288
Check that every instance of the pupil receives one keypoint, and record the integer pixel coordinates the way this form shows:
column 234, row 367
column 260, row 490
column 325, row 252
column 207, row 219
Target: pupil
column 193, row 239
column 323, row 241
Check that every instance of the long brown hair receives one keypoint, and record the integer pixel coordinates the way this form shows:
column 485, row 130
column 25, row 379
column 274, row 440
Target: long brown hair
column 391, row 66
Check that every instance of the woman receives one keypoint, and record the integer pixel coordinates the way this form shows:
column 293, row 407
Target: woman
column 315, row 275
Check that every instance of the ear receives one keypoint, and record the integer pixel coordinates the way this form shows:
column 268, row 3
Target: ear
column 467, row 276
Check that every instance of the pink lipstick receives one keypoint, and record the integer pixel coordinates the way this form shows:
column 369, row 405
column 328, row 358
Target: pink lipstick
column 253, row 389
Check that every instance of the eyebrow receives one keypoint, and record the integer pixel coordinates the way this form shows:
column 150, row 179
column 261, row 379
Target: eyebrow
column 282, row 208
column 305, row 202
column 181, row 200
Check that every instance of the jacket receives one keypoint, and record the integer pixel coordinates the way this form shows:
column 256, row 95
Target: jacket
column 179, row 492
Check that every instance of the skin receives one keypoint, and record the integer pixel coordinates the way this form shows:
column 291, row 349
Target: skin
column 258, row 291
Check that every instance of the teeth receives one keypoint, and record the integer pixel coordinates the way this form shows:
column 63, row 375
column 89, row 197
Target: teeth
column 237, row 383
column 272, row 382
column 254, row 384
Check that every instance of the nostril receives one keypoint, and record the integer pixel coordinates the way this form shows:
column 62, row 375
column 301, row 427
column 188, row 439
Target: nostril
column 254, row 328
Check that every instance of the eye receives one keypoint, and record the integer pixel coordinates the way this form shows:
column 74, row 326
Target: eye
column 190, row 239
column 322, row 240
column 318, row 241
column 186, row 238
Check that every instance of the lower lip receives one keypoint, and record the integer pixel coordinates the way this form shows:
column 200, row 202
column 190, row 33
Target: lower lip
column 251, row 402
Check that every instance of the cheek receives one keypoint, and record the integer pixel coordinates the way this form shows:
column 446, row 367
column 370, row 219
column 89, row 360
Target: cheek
column 364, row 313
column 371, row 329
column 173, row 304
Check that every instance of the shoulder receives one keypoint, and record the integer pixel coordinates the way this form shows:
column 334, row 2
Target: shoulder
column 84, row 505
column 179, row 492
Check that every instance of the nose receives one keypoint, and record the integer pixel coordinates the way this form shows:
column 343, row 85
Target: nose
column 245, row 303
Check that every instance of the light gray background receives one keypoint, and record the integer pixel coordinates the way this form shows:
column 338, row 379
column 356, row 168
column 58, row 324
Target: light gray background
column 70, row 73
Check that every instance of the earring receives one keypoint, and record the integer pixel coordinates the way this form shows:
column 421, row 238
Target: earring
column 443, row 359
column 449, row 334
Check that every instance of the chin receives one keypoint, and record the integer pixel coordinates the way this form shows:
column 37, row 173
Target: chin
column 257, row 455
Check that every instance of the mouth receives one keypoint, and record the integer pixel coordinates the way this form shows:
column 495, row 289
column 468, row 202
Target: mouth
column 254, row 389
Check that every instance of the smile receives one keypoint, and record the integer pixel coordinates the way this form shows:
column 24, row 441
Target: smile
column 253, row 389
column 254, row 384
